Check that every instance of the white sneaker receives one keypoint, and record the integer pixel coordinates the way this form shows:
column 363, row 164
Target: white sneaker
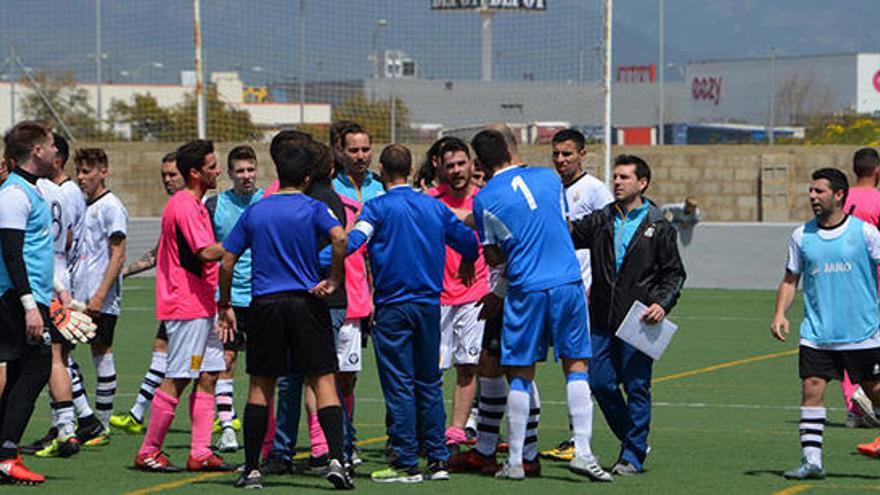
column 511, row 472
column 590, row 468
column 854, row 420
column 227, row 442
column 864, row 404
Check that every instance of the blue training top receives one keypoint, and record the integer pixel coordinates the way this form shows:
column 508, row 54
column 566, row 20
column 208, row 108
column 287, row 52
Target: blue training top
column 283, row 232
column 38, row 254
column 225, row 212
column 407, row 233
column 840, row 286
column 523, row 210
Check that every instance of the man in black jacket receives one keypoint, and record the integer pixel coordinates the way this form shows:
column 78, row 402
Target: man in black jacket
column 634, row 256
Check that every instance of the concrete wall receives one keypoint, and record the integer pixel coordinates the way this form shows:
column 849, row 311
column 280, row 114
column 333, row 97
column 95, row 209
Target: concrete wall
column 731, row 183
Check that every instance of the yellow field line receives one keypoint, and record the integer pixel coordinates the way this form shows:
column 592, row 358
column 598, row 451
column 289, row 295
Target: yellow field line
column 206, row 476
column 721, row 366
column 792, row 490
column 675, row 376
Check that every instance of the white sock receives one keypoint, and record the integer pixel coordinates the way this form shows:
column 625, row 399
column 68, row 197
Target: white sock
column 80, row 399
column 812, row 427
column 105, row 391
column 580, row 412
column 530, row 446
column 223, row 396
column 517, row 418
column 151, row 382
column 492, row 402
column 65, row 419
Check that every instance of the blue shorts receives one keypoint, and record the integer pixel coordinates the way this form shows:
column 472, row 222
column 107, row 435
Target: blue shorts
column 534, row 319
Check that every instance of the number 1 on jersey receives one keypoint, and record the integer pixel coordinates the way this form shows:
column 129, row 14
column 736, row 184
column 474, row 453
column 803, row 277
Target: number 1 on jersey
column 518, row 184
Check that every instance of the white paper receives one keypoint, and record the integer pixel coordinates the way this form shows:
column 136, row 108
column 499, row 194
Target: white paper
column 652, row 339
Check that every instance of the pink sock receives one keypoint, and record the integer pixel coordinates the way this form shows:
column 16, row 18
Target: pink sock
column 270, row 431
column 201, row 407
column 348, row 402
column 160, row 421
column 848, row 387
column 316, row 437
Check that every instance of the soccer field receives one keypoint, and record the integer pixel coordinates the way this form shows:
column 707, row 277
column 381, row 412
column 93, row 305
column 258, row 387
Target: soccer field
column 726, row 400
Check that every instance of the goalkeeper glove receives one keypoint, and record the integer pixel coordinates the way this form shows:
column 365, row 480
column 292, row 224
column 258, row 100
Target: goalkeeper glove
column 74, row 325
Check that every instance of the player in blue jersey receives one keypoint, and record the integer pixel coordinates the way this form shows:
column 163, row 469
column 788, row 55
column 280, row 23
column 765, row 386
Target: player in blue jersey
column 225, row 209
column 520, row 216
column 290, row 324
column 401, row 226
column 837, row 257
column 26, row 285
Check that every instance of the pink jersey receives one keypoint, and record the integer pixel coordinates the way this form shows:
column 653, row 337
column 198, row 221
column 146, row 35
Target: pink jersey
column 865, row 204
column 185, row 286
column 454, row 292
column 357, row 284
column 273, row 188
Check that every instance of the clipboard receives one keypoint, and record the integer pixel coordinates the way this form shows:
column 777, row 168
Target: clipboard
column 650, row 339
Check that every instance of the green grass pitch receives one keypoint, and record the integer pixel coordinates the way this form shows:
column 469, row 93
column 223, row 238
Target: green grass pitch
column 726, row 429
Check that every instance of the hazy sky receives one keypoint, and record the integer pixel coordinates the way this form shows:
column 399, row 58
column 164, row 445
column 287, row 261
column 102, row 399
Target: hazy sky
column 261, row 38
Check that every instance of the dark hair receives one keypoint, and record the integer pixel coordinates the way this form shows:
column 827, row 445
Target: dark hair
column 322, row 166
column 294, row 165
column 283, row 138
column 835, row 178
column 643, row 171
column 506, row 132
column 865, row 161
column 572, row 135
column 62, row 147
column 426, row 172
column 191, row 156
column 351, row 129
column 396, row 161
column 452, row 145
column 170, row 157
column 243, row 152
column 491, row 148
column 19, row 140
column 336, row 130
column 92, row 156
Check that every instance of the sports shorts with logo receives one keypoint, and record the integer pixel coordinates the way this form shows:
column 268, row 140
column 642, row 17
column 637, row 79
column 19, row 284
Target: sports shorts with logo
column 461, row 335
column 348, row 345
column 859, row 364
column 193, row 347
column 532, row 320
column 290, row 332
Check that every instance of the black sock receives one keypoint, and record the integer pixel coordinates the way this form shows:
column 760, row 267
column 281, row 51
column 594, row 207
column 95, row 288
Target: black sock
column 256, row 420
column 330, row 419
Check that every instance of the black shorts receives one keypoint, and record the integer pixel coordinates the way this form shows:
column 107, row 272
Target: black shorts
column 242, row 320
column 106, row 328
column 861, row 365
column 161, row 333
column 290, row 332
column 14, row 341
column 492, row 335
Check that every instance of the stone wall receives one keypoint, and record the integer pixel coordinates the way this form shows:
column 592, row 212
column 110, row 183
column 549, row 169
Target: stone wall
column 731, row 183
